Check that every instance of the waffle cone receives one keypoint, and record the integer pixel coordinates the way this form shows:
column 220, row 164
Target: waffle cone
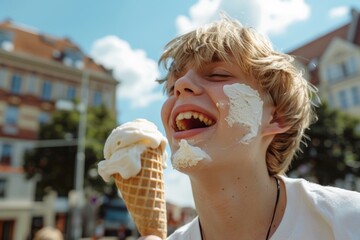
column 144, row 195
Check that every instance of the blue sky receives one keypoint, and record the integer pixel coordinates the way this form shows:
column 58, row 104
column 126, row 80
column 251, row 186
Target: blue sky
column 129, row 36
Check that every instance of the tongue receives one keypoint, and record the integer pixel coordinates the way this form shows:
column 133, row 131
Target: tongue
column 194, row 123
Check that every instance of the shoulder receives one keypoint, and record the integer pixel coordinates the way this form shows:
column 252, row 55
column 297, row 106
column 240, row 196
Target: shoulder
column 189, row 231
column 339, row 206
column 323, row 194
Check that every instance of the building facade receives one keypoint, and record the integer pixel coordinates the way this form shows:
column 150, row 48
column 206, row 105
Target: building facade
column 332, row 63
column 38, row 74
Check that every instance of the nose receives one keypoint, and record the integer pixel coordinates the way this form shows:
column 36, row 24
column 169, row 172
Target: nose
column 187, row 84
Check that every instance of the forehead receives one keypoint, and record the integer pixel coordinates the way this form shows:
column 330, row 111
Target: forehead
column 203, row 66
column 230, row 69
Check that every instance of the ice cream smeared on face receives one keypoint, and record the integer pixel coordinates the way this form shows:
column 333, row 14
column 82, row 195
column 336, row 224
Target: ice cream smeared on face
column 245, row 108
column 188, row 156
column 124, row 146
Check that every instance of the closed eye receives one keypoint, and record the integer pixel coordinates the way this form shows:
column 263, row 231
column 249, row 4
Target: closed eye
column 218, row 77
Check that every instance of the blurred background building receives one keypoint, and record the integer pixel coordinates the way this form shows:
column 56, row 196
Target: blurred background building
column 38, row 74
column 332, row 63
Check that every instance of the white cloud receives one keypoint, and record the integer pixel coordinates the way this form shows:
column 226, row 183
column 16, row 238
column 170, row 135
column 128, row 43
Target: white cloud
column 338, row 12
column 200, row 13
column 136, row 72
column 277, row 15
column 268, row 16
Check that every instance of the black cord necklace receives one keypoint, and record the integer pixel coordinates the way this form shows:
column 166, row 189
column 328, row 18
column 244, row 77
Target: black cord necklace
column 273, row 216
column 276, row 204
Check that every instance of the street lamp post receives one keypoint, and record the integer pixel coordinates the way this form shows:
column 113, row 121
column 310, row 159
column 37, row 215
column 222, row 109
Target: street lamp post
column 80, row 158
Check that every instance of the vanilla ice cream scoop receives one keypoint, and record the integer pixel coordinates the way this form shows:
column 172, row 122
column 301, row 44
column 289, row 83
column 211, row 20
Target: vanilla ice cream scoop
column 188, row 155
column 124, row 146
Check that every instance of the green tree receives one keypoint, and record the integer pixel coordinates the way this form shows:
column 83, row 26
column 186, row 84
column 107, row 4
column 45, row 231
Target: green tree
column 54, row 167
column 332, row 150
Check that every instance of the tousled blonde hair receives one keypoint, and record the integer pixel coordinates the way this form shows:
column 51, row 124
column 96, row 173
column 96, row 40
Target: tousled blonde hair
column 227, row 40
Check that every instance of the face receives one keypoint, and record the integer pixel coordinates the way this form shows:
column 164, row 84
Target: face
column 200, row 109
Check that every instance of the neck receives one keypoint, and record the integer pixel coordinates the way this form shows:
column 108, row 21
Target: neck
column 234, row 206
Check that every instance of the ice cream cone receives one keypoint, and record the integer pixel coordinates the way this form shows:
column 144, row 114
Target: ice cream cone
column 144, row 195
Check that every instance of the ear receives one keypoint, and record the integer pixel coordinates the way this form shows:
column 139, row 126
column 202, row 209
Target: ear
column 273, row 127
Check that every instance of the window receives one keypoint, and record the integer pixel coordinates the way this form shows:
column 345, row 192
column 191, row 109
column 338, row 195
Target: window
column 73, row 58
column 15, row 84
column 341, row 70
column 7, row 228
column 97, row 100
column 6, row 151
column 3, row 77
column 6, row 40
column 351, row 67
column 334, row 73
column 46, row 90
column 11, row 118
column 2, row 187
column 355, row 94
column 59, row 90
column 343, row 100
column 71, row 93
column 32, row 83
column 11, row 115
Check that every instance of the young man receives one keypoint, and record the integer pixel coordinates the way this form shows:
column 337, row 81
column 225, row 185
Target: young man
column 235, row 117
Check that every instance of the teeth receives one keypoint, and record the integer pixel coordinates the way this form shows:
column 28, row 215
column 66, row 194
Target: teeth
column 188, row 115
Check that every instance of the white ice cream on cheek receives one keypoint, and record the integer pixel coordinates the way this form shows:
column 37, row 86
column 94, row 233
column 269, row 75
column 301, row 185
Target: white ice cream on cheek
column 245, row 107
column 188, row 156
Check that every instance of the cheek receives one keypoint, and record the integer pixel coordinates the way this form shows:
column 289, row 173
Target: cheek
column 221, row 101
column 166, row 111
column 245, row 109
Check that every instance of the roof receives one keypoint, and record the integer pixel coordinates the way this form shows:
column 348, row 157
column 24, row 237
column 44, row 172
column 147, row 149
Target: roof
column 315, row 48
column 28, row 41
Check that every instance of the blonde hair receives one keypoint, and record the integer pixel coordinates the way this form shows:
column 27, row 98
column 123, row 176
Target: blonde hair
column 227, row 40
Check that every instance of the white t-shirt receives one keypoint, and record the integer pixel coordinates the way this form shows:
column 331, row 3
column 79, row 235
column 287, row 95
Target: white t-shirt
column 313, row 212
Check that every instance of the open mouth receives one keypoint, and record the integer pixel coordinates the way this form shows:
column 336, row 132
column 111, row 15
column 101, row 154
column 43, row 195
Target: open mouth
column 190, row 120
